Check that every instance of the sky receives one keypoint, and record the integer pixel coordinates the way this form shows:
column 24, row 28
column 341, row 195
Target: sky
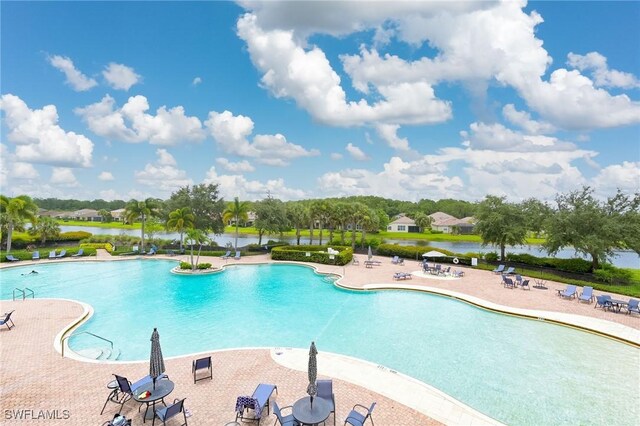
column 296, row 100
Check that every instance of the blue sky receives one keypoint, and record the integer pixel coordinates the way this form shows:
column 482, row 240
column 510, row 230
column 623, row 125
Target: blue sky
column 305, row 100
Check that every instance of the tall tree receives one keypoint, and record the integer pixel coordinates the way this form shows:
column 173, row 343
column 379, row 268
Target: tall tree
column 105, row 215
column 16, row 212
column 370, row 222
column 142, row 210
column 298, row 217
column 357, row 214
column 422, row 220
column 46, row 227
column 536, row 213
column 179, row 220
column 592, row 227
column 271, row 217
column 236, row 211
column 196, row 236
column 500, row 223
column 320, row 211
column 205, row 205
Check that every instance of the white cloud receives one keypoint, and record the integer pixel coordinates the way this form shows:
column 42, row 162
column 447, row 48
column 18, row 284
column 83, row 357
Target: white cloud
column 523, row 120
column 388, row 132
column 110, row 195
column 132, row 124
column 498, row 137
column 120, row 76
column 336, row 156
column 307, row 77
column 164, row 174
column 625, row 176
column 78, row 81
column 231, row 135
column 238, row 167
column 602, row 75
column 196, row 81
column 38, row 137
column 24, row 171
column 239, row 186
column 106, row 176
column 63, row 176
column 356, row 152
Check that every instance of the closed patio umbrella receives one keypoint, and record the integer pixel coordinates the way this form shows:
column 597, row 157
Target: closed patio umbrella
column 156, row 362
column 313, row 371
column 369, row 254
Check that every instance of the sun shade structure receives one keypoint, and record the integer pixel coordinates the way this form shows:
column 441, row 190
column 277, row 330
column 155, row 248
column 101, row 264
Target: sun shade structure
column 313, row 371
column 156, row 362
column 433, row 253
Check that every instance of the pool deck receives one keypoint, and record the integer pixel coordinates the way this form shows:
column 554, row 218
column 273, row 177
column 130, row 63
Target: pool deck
column 34, row 376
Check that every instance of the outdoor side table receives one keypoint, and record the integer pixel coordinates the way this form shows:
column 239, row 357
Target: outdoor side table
column 311, row 414
column 163, row 388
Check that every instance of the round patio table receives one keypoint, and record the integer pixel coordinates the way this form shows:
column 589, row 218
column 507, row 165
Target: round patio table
column 163, row 388
column 311, row 414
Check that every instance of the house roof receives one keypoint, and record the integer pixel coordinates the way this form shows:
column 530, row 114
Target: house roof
column 86, row 213
column 403, row 220
column 441, row 218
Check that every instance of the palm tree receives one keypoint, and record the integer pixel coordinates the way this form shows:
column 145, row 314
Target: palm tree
column 236, row 211
column 141, row 210
column 422, row 220
column 17, row 210
column 179, row 220
column 195, row 236
column 356, row 217
column 298, row 216
column 47, row 227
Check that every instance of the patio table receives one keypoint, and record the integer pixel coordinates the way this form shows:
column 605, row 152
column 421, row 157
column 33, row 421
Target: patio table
column 311, row 414
column 618, row 304
column 163, row 388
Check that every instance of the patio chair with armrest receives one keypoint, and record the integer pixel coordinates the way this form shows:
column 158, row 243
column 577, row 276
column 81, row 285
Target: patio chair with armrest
column 6, row 320
column 35, row 255
column 172, row 410
column 10, row 258
column 568, row 292
column 226, row 255
column 603, row 302
column 525, row 284
column 397, row 261
column 325, row 391
column 202, row 364
column 287, row 420
column 52, row 254
column 62, row 253
column 518, row 279
column 355, row 418
column 79, row 253
column 632, row 306
column 586, row 295
column 508, row 283
column 237, row 256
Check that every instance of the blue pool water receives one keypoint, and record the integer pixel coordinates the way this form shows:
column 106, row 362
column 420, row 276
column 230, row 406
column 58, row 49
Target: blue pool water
column 515, row 370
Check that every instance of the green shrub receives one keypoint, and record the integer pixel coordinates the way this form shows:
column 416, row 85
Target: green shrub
column 492, row 256
column 317, row 254
column 204, row 265
column 72, row 236
column 613, row 275
column 185, row 265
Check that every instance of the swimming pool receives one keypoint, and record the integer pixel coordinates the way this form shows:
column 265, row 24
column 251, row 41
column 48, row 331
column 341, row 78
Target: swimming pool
column 515, row 370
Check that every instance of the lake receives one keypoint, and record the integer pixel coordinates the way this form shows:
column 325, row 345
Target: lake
column 623, row 258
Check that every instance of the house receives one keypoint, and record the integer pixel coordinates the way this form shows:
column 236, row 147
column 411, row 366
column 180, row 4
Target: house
column 89, row 215
column 118, row 214
column 446, row 223
column 251, row 218
column 403, row 224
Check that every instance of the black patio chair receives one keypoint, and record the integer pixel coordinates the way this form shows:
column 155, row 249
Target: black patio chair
column 202, row 364
column 172, row 410
column 7, row 320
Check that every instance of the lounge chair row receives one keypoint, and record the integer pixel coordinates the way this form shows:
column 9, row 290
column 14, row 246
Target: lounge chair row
column 52, row 255
column 514, row 282
column 604, row 301
column 227, row 255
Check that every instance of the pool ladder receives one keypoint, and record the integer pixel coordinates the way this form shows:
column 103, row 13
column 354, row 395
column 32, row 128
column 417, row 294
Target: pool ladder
column 25, row 292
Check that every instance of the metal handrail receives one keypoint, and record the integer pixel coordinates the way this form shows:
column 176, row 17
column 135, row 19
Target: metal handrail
column 20, row 290
column 28, row 291
column 84, row 332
